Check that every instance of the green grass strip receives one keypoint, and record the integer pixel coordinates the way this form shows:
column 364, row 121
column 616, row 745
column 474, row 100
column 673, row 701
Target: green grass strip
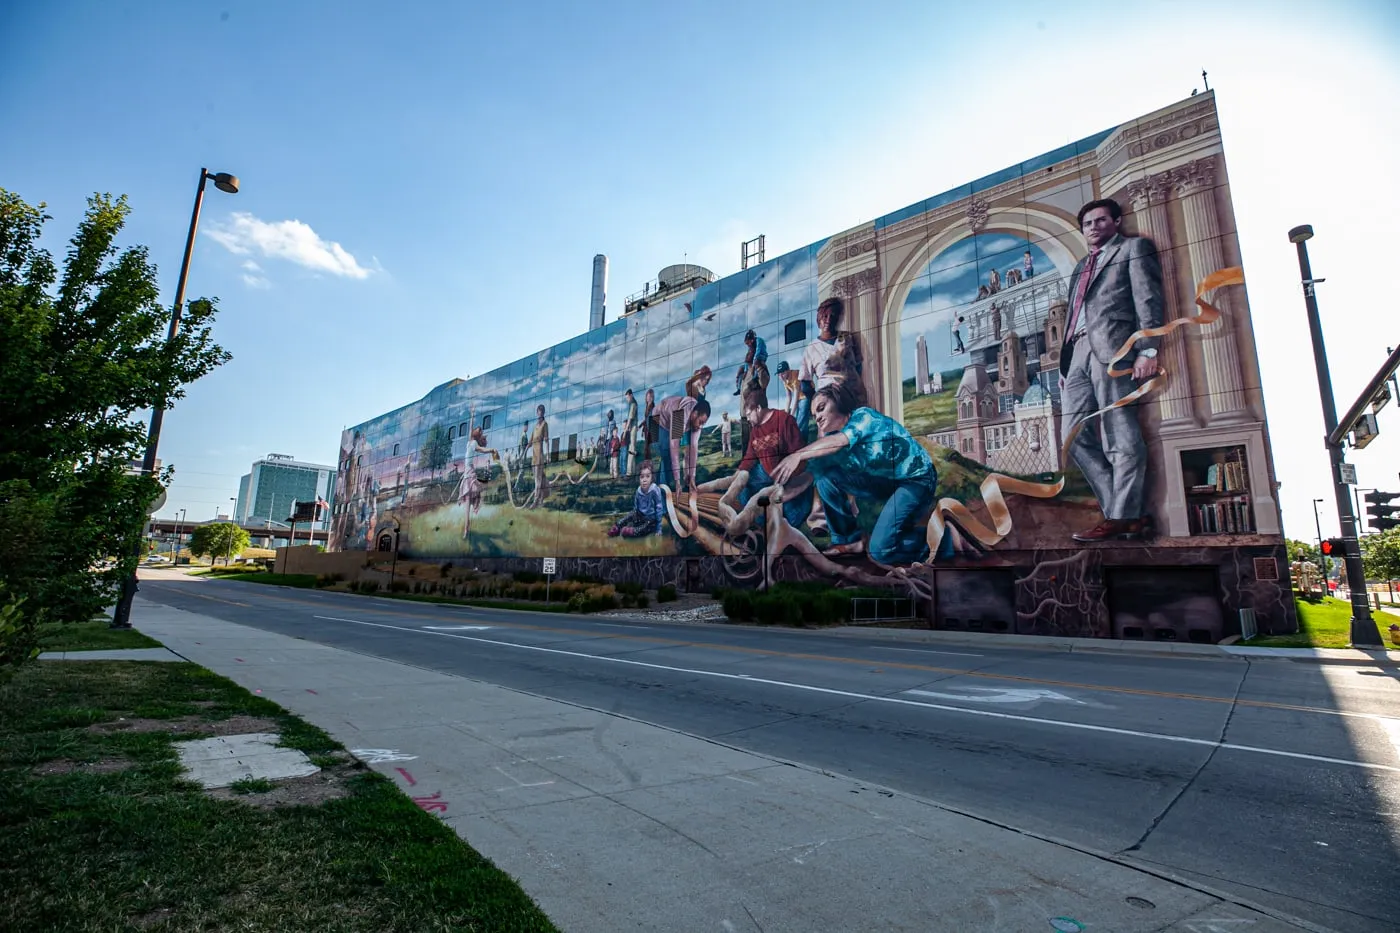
column 99, row 832
column 1325, row 624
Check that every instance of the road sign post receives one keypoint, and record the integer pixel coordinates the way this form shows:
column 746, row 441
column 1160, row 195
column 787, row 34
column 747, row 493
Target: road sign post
column 548, row 577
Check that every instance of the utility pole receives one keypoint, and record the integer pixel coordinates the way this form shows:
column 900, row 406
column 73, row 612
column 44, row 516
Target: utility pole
column 1363, row 629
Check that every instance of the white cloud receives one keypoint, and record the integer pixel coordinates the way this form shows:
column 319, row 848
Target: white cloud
column 256, row 281
column 291, row 240
column 252, row 266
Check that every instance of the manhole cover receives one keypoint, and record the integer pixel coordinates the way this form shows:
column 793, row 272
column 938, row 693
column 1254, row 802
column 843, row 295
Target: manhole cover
column 1066, row 925
column 1142, row 902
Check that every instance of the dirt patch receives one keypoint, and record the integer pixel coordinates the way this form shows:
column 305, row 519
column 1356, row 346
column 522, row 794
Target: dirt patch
column 234, row 725
column 153, row 917
column 68, row 766
column 310, row 791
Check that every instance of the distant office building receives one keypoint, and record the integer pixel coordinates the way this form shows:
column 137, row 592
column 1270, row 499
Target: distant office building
column 275, row 482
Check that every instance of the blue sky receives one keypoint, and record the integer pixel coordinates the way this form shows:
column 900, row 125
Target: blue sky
column 425, row 185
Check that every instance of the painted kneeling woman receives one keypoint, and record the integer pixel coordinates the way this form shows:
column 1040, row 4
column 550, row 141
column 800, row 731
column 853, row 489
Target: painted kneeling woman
column 865, row 454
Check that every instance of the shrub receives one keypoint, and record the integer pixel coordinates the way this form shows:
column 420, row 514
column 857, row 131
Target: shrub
column 631, row 589
column 666, row 593
column 738, row 605
column 717, row 593
column 18, row 641
column 642, row 601
column 328, row 579
column 527, row 576
column 412, row 571
column 777, row 609
column 583, row 578
column 594, row 599
column 628, row 600
column 834, row 608
column 447, row 568
column 398, row 586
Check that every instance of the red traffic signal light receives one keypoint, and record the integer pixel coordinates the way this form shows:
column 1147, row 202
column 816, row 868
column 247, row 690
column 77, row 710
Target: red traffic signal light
column 1333, row 547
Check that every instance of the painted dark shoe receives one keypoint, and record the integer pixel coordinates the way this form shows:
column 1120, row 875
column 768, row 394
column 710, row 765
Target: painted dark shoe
column 1108, row 530
column 1143, row 527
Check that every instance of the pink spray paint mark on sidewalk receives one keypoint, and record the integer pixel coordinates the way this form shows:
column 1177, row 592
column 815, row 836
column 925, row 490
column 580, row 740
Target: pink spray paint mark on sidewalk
column 431, row 803
column 407, row 777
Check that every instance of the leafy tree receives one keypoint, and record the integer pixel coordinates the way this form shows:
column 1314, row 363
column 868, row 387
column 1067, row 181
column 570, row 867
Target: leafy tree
column 437, row 449
column 1300, row 550
column 84, row 355
column 224, row 539
column 1380, row 555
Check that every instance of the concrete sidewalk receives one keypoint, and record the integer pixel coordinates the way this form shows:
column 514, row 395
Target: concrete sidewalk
column 612, row 824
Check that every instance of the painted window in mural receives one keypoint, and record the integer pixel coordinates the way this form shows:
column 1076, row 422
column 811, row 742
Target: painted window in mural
column 1057, row 356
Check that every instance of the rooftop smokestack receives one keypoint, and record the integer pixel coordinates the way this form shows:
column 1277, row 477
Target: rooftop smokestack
column 600, row 292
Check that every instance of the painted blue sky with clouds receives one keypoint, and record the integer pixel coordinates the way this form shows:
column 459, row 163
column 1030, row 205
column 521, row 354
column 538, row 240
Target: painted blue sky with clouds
column 948, row 283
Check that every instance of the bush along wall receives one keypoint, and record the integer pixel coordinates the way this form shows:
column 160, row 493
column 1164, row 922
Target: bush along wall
column 797, row 604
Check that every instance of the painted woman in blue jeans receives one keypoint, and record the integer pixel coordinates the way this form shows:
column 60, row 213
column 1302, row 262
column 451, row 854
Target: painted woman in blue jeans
column 870, row 456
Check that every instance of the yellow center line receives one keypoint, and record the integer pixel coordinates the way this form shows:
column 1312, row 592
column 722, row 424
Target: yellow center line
column 866, row 662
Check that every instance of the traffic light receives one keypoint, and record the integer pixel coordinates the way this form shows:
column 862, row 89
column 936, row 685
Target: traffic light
column 1334, row 547
column 1381, row 512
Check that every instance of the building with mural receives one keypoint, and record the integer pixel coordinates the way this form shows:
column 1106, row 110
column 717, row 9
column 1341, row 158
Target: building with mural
column 1031, row 402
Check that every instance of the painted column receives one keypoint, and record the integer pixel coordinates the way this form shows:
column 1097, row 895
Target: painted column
column 1195, row 185
column 860, row 292
column 1149, row 204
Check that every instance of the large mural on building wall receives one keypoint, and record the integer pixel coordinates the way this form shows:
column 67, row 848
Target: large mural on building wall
column 1050, row 370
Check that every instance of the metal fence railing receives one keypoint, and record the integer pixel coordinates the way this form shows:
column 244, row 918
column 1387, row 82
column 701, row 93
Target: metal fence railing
column 866, row 610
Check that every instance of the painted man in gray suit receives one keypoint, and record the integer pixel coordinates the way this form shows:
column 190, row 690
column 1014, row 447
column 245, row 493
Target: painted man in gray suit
column 1114, row 291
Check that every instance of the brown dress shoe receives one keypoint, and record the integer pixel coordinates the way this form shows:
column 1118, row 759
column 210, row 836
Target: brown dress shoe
column 1107, row 530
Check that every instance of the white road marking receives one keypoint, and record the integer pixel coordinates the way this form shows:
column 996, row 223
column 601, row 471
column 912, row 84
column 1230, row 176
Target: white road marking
column 1392, row 730
column 1001, row 695
column 458, row 628
column 898, row 701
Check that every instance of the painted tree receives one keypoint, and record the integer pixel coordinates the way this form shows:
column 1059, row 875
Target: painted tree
column 437, row 450
column 83, row 355
column 223, row 539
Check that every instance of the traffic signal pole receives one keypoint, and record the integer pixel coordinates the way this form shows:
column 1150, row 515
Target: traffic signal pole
column 1363, row 629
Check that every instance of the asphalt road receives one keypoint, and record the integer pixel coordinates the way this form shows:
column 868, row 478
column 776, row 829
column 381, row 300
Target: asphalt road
column 1276, row 780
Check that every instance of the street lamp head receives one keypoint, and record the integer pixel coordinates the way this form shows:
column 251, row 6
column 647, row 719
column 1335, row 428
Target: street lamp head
column 229, row 184
column 1299, row 234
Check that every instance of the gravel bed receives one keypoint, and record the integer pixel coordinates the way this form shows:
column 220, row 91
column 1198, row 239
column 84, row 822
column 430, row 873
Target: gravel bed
column 705, row 610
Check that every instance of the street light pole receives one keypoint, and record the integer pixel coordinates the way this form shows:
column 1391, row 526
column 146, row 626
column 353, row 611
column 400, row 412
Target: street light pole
column 121, row 617
column 1363, row 630
column 1321, row 557
column 394, row 564
column 179, row 521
